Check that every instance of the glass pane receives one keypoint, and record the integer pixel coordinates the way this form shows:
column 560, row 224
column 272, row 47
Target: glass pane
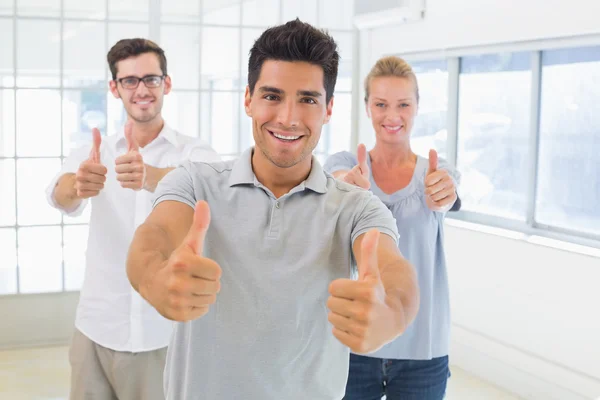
column 305, row 10
column 7, row 7
column 182, row 49
column 8, row 261
column 221, row 111
column 85, row 9
column 220, row 58
column 249, row 36
column 84, row 55
column 38, row 40
column 38, row 136
column 336, row 14
column 7, row 72
column 180, row 11
column 7, row 194
column 493, row 133
column 568, row 190
column 335, row 136
column 7, row 123
column 246, row 135
column 429, row 130
column 116, row 114
column 40, row 259
column 221, row 12
column 75, row 245
column 344, row 81
column 180, row 111
column 134, row 10
column 45, row 8
column 260, row 13
column 82, row 111
column 33, row 176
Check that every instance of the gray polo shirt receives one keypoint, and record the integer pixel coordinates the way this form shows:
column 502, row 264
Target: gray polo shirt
column 267, row 337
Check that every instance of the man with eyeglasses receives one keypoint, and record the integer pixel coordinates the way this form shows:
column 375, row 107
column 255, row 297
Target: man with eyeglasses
column 119, row 345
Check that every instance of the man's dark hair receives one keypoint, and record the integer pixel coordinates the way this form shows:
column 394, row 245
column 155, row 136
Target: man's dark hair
column 126, row 48
column 295, row 41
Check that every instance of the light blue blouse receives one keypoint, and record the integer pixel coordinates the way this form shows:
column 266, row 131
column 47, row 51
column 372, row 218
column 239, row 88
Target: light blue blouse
column 422, row 243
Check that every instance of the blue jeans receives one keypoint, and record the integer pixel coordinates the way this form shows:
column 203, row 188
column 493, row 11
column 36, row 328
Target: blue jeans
column 371, row 378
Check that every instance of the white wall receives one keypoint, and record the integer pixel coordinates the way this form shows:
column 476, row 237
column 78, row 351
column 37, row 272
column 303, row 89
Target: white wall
column 525, row 316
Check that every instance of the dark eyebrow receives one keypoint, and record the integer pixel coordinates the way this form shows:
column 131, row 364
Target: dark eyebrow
column 270, row 89
column 309, row 93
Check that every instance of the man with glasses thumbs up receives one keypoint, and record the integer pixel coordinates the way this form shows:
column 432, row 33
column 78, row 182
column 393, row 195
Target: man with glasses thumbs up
column 119, row 344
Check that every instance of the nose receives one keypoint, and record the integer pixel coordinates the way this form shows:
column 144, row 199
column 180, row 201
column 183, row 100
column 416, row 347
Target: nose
column 393, row 116
column 142, row 90
column 288, row 114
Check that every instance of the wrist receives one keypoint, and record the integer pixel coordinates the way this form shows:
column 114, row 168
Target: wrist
column 146, row 286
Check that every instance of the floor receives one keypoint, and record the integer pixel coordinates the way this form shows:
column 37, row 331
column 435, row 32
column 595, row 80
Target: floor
column 43, row 374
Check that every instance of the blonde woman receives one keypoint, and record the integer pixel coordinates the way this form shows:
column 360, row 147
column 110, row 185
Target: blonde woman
column 419, row 192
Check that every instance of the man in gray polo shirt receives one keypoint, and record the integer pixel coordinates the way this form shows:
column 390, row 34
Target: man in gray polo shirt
column 254, row 257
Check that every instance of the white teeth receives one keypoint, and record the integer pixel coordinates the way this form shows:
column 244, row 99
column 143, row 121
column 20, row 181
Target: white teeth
column 392, row 128
column 143, row 102
column 285, row 137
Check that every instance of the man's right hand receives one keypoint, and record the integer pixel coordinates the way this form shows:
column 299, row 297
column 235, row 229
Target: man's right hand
column 91, row 175
column 187, row 284
column 359, row 175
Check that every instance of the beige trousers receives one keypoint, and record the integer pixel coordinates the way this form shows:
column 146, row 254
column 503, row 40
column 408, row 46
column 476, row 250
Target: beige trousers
column 98, row 373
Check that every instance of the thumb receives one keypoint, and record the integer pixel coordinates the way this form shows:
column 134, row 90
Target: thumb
column 197, row 232
column 361, row 154
column 368, row 265
column 97, row 141
column 433, row 161
column 132, row 144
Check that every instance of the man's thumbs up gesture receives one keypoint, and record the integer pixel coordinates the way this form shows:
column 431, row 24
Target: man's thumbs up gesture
column 91, row 175
column 359, row 175
column 440, row 191
column 361, row 317
column 188, row 283
column 130, row 167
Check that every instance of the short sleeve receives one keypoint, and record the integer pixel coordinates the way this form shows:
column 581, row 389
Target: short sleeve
column 374, row 214
column 343, row 160
column 200, row 151
column 70, row 165
column 177, row 185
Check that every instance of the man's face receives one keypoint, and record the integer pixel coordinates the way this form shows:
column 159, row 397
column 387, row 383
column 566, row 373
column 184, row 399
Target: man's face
column 143, row 104
column 288, row 109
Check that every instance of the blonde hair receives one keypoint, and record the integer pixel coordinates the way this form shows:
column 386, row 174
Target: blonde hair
column 391, row 66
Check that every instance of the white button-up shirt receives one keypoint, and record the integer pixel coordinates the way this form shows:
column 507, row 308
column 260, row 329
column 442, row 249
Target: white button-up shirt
column 110, row 312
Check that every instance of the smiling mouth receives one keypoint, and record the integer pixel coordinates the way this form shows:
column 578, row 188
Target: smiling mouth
column 285, row 138
column 393, row 128
column 143, row 102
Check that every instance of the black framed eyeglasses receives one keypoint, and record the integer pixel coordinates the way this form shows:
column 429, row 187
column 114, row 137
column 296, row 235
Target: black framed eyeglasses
column 132, row 82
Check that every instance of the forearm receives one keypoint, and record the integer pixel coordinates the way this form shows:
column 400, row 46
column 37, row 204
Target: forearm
column 402, row 291
column 65, row 193
column 148, row 253
column 154, row 175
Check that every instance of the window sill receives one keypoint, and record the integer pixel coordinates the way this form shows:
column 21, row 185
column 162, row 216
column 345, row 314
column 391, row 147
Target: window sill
column 534, row 236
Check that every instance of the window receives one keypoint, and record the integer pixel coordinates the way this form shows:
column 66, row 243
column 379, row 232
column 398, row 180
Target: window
column 527, row 140
column 429, row 131
column 568, row 190
column 493, row 133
